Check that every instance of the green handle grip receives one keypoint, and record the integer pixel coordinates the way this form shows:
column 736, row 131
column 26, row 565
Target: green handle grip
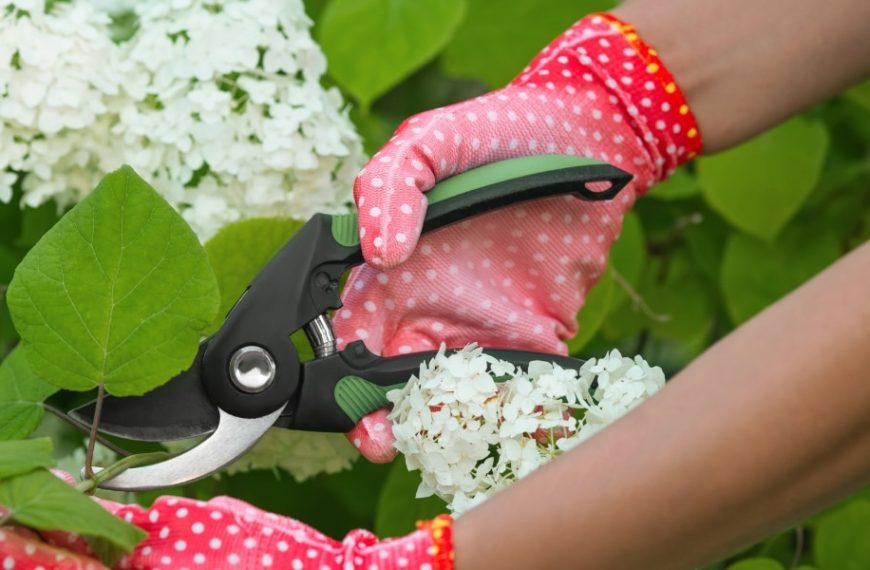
column 503, row 183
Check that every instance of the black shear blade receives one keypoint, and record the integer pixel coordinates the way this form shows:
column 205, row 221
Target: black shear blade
column 179, row 409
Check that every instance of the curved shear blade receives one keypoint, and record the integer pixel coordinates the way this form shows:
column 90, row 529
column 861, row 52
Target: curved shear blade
column 233, row 437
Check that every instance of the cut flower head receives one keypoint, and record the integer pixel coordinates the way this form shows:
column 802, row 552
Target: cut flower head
column 472, row 424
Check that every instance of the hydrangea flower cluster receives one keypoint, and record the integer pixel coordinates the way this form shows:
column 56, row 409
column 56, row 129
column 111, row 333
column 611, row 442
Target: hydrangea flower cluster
column 217, row 103
column 472, row 424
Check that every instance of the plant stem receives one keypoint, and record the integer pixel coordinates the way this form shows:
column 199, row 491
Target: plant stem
column 92, row 440
column 95, row 479
column 84, row 427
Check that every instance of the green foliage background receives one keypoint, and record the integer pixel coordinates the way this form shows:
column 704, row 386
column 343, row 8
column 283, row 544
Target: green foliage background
column 703, row 252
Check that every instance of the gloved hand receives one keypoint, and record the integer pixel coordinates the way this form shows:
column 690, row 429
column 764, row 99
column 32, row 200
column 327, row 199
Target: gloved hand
column 515, row 277
column 227, row 533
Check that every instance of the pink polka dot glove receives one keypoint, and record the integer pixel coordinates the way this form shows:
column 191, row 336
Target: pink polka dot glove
column 225, row 533
column 515, row 277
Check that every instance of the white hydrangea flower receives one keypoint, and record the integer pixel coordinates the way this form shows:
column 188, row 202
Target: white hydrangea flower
column 56, row 88
column 470, row 436
column 217, row 103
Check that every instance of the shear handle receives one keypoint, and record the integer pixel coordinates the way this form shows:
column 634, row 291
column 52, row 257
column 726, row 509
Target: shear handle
column 342, row 388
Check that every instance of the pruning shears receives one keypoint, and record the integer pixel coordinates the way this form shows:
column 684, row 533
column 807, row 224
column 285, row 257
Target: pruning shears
column 248, row 377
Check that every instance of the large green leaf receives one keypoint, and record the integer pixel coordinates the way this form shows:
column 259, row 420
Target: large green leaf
column 842, row 540
column 756, row 273
column 757, row 564
column 118, row 292
column 24, row 455
column 42, row 501
column 758, row 186
column 21, row 395
column 499, row 37
column 398, row 509
column 371, row 45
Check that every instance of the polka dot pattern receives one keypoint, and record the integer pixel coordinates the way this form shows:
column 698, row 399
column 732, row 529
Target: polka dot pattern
column 186, row 534
column 517, row 276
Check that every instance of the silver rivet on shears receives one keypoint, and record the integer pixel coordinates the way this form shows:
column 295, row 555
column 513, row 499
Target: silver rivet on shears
column 252, row 369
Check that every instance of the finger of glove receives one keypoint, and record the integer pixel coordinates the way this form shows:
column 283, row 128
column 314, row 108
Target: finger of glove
column 427, row 148
column 373, row 437
column 373, row 434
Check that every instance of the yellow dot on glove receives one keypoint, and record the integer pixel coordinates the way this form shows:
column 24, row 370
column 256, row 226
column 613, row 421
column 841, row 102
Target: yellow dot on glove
column 671, row 87
column 684, row 109
column 693, row 132
column 652, row 68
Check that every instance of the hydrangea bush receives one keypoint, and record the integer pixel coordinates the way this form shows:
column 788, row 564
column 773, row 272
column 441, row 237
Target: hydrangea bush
column 217, row 104
column 472, row 424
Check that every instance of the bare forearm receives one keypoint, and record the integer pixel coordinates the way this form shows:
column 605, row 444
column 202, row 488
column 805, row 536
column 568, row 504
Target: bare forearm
column 768, row 425
column 746, row 65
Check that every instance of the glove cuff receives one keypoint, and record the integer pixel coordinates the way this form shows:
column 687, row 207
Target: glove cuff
column 616, row 55
column 440, row 531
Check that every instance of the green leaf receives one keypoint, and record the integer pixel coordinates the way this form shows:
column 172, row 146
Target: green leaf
column 24, row 455
column 680, row 185
column 757, row 564
column 398, row 508
column 591, row 316
column 118, row 292
column 758, row 186
column 706, row 244
column 500, row 37
column 42, row 501
column 860, row 94
column 21, row 395
column 780, row 547
column 371, row 45
column 842, row 540
column 240, row 250
column 755, row 273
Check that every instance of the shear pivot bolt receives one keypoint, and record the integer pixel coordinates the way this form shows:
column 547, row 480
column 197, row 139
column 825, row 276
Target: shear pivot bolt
column 252, row 369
